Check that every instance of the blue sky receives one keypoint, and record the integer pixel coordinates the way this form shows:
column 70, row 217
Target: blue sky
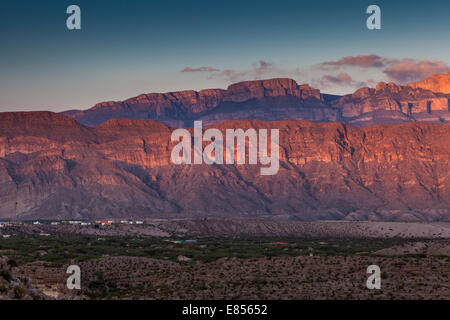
column 126, row 48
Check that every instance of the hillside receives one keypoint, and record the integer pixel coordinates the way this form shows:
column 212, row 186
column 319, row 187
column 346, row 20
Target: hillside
column 122, row 168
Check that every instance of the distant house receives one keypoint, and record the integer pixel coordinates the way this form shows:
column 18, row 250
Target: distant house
column 54, row 223
column 139, row 222
column 105, row 222
column 36, row 223
column 6, row 236
column 44, row 234
column 2, row 225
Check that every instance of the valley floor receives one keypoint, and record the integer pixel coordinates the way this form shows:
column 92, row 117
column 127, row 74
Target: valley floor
column 183, row 263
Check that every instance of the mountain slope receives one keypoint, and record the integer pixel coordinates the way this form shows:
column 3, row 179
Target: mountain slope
column 122, row 168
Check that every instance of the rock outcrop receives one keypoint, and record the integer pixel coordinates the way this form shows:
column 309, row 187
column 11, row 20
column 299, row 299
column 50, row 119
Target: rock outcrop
column 436, row 83
column 53, row 167
column 391, row 103
column 14, row 286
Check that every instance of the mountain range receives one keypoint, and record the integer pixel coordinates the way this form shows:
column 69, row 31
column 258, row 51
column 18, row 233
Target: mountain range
column 283, row 99
column 378, row 154
column 53, row 167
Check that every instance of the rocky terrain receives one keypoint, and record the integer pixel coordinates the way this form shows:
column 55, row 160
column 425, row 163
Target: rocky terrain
column 293, row 278
column 418, row 248
column 391, row 103
column 319, row 229
column 14, row 285
column 53, row 167
column 243, row 228
column 436, row 83
column 282, row 99
column 296, row 269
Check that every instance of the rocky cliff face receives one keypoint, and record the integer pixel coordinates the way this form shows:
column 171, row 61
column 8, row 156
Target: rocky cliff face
column 396, row 103
column 436, row 83
column 272, row 99
column 279, row 99
column 53, row 167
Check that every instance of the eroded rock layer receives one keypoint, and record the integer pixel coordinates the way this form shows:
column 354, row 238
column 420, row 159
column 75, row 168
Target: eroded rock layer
column 53, row 167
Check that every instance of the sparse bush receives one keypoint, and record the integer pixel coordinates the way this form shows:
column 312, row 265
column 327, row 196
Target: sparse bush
column 12, row 263
column 19, row 292
column 3, row 286
column 6, row 274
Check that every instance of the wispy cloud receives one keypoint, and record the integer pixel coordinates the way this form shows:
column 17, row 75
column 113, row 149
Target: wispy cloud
column 399, row 70
column 258, row 70
column 409, row 70
column 200, row 69
column 340, row 75
column 342, row 79
column 364, row 61
column 232, row 75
